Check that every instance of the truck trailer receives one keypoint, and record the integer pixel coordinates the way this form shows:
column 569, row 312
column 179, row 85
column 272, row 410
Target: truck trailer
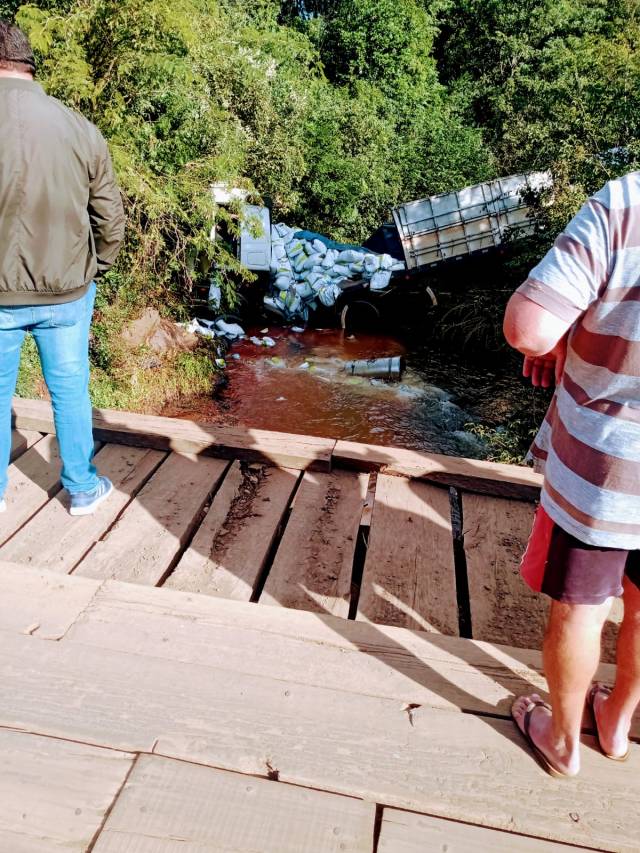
column 454, row 225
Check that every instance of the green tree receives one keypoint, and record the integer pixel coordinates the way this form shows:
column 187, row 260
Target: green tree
column 545, row 78
column 381, row 41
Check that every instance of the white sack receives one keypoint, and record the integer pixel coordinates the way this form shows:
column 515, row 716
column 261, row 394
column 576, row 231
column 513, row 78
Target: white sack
column 349, row 256
column 371, row 263
column 284, row 282
column 294, row 248
column 303, row 289
column 232, row 331
column 312, row 261
column 330, row 259
column 329, row 294
column 380, row 280
column 340, row 271
column 300, row 261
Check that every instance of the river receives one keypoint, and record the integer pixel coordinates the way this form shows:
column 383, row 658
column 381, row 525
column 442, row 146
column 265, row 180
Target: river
column 300, row 386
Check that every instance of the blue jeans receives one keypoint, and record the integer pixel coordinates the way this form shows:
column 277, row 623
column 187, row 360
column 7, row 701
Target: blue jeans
column 61, row 333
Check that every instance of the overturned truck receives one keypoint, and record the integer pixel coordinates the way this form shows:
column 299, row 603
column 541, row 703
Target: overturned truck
column 307, row 270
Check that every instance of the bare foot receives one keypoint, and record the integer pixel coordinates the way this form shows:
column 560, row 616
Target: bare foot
column 559, row 752
column 613, row 731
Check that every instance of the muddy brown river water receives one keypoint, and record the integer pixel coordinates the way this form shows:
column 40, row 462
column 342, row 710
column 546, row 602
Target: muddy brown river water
column 301, row 386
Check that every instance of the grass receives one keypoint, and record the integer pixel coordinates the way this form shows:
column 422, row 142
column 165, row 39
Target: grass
column 508, row 443
column 30, row 382
column 137, row 380
column 138, row 387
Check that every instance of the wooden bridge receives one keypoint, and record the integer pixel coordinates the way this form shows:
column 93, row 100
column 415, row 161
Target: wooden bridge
column 268, row 643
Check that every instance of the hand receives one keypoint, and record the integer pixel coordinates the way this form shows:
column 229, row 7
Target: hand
column 546, row 370
column 540, row 369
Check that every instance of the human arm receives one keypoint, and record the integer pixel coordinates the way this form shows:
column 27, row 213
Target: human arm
column 106, row 213
column 540, row 336
column 559, row 290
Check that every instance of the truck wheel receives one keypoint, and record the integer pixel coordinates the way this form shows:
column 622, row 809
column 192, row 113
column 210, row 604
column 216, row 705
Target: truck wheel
column 359, row 316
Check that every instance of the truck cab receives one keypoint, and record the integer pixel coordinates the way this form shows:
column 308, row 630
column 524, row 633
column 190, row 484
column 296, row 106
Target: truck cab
column 253, row 247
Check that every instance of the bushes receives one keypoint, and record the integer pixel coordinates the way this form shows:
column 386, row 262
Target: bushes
column 189, row 92
column 335, row 118
column 546, row 79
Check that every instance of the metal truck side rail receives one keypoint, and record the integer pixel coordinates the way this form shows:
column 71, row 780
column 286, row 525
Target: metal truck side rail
column 474, row 219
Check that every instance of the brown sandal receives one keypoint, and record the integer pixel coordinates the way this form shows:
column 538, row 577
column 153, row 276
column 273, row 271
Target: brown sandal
column 591, row 695
column 524, row 731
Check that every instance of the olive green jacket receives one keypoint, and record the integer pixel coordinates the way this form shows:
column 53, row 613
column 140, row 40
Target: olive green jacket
column 61, row 216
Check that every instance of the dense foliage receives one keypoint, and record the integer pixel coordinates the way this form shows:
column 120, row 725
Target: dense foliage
column 335, row 109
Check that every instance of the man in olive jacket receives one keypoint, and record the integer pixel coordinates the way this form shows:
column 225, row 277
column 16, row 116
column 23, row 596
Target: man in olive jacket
column 61, row 227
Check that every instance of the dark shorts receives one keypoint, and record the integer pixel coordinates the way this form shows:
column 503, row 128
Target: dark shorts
column 577, row 573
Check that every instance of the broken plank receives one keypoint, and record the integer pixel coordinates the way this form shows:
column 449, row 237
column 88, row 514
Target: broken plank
column 313, row 566
column 183, row 808
column 407, row 832
column 21, row 441
column 409, row 574
column 281, row 449
column 457, row 766
column 503, row 608
column 143, row 544
column 40, row 603
column 229, row 552
column 55, row 540
column 514, row 481
column 54, row 795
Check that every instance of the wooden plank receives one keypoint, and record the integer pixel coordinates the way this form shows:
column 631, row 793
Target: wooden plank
column 407, row 832
column 313, row 567
column 55, row 540
column 229, row 552
column 457, row 766
column 142, row 546
column 55, row 795
column 496, row 532
column 280, row 449
column 514, row 481
column 21, row 441
column 409, row 575
column 414, row 667
column 40, row 603
column 503, row 608
column 33, row 479
column 172, row 807
column 375, row 660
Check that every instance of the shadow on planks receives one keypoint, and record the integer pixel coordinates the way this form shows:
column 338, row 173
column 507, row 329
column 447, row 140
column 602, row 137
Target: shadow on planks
column 381, row 535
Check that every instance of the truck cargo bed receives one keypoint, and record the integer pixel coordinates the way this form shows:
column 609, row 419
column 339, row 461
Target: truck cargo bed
column 474, row 219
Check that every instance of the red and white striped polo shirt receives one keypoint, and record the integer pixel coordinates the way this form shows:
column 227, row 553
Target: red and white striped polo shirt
column 589, row 443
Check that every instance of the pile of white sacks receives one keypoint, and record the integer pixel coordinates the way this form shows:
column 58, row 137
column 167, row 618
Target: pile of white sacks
column 307, row 272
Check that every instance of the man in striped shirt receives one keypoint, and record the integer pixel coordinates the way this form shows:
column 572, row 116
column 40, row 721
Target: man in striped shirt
column 578, row 316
